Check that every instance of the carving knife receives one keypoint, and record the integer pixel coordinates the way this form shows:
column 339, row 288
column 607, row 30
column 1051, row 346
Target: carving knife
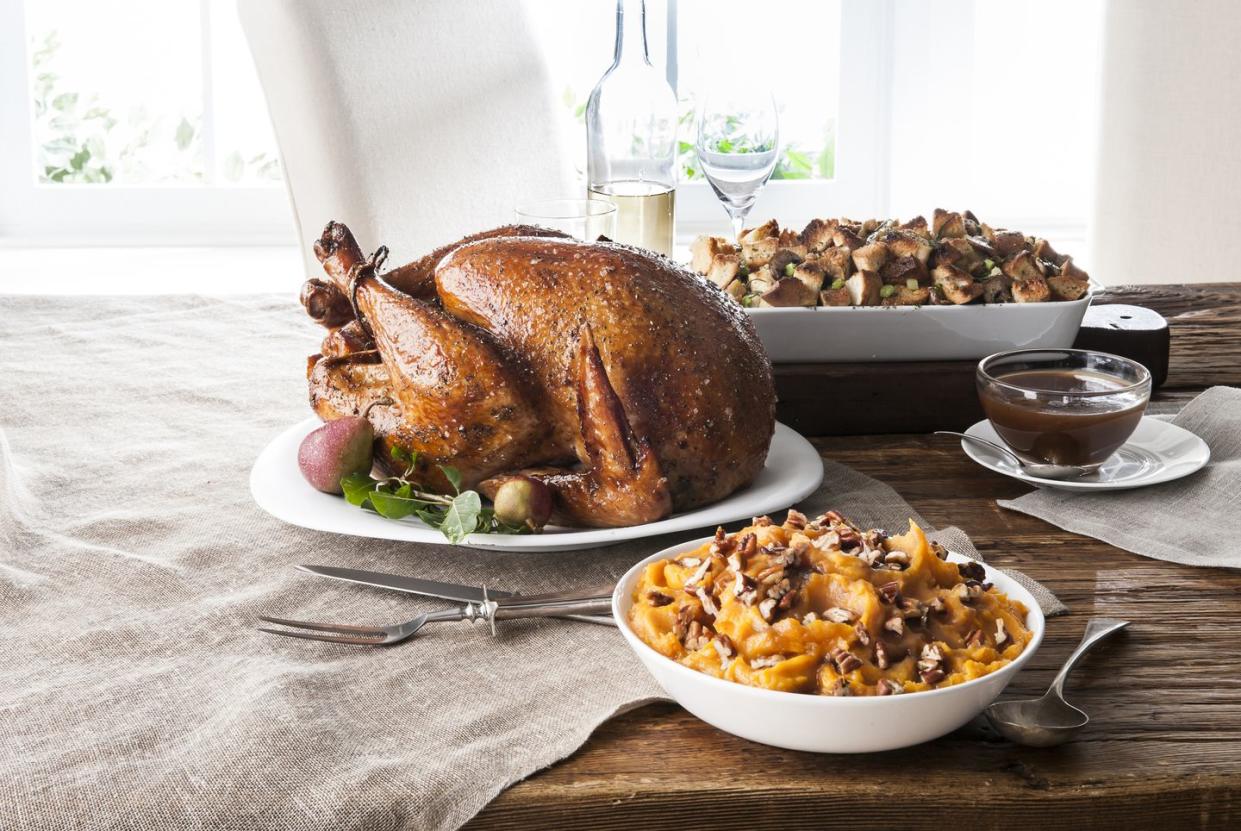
column 435, row 588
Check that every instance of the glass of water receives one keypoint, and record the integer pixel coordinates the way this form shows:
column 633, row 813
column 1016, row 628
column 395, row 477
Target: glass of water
column 585, row 219
column 738, row 145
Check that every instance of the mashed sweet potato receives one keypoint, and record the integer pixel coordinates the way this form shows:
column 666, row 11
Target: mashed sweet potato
column 824, row 607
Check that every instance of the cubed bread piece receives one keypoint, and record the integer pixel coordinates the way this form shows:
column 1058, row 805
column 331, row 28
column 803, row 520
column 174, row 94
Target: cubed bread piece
column 955, row 284
column 836, row 263
column 847, row 237
column 905, row 296
column 997, row 289
column 906, row 244
column 1024, row 266
column 1031, row 290
column 917, row 226
column 762, row 280
column 757, row 253
column 736, row 290
column 864, row 288
column 946, row 225
column 705, row 248
column 1067, row 288
column 1069, row 269
column 810, row 274
column 789, row 292
column 724, row 269
column 791, row 241
column 1043, row 250
column 1008, row 243
column 871, row 257
column 817, row 235
column 834, row 297
column 770, row 228
column 959, row 252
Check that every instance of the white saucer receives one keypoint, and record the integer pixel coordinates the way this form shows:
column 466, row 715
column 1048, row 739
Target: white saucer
column 792, row 472
column 1156, row 452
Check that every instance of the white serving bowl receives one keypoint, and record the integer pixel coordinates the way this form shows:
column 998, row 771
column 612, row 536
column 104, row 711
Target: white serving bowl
column 841, row 334
column 817, row 723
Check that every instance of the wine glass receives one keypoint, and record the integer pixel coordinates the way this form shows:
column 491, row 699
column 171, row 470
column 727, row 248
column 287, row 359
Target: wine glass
column 738, row 145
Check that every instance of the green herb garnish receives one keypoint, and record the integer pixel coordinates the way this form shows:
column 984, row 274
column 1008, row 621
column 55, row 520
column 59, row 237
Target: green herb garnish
column 887, row 291
column 911, row 283
column 397, row 497
column 789, row 269
column 838, row 283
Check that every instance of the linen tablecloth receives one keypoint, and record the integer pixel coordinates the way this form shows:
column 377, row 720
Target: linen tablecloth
column 134, row 689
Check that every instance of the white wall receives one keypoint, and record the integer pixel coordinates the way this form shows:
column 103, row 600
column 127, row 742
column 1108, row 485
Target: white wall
column 1169, row 163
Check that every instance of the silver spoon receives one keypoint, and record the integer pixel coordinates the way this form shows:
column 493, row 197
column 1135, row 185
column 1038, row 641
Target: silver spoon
column 1036, row 469
column 1050, row 720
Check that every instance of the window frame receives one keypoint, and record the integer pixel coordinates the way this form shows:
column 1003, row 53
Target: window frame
column 81, row 214
column 77, row 214
column 860, row 184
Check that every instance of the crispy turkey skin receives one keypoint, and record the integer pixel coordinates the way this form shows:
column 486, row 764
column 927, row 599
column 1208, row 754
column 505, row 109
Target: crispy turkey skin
column 631, row 386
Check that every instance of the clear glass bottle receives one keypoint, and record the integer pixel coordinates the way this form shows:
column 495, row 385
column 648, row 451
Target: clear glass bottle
column 631, row 138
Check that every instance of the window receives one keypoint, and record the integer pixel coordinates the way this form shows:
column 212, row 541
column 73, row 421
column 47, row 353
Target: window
column 111, row 134
column 124, row 135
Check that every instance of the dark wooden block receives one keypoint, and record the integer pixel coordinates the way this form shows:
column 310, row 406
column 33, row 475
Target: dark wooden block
column 1129, row 331
column 919, row 397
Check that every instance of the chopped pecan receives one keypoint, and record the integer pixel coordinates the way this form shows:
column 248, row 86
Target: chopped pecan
column 845, row 660
column 1000, row 635
column 696, row 637
column 968, row 592
column 766, row 607
column 895, row 625
column 897, row 558
column 936, row 605
column 863, row 634
column 770, row 575
column 810, row 618
column 766, row 661
column 795, row 519
column 658, row 598
column 708, row 603
column 724, row 646
column 744, row 589
column 911, row 608
column 939, row 551
column 875, row 538
column 829, row 541
column 973, row 638
column 972, row 571
column 689, row 562
column 887, row 686
column 789, row 599
column 748, row 545
column 831, row 518
column 888, row 592
column 761, row 521
column 840, row 689
column 839, row 615
column 882, row 659
column 698, row 576
column 685, row 616
column 931, row 664
column 849, row 539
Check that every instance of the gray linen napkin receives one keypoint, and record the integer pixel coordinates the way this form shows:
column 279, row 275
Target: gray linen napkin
column 1194, row 521
column 134, row 689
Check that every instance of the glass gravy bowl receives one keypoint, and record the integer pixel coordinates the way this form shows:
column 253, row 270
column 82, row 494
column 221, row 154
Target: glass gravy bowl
column 1063, row 406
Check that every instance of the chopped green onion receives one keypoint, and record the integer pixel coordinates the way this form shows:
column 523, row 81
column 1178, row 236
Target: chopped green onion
column 789, row 269
column 743, row 269
column 912, row 283
column 995, row 272
column 838, row 283
column 989, row 263
column 887, row 291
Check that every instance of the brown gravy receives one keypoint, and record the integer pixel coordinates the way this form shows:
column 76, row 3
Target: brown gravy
column 1082, row 432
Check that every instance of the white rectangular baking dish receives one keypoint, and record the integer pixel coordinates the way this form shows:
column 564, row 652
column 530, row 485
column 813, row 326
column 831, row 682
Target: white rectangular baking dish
column 842, row 334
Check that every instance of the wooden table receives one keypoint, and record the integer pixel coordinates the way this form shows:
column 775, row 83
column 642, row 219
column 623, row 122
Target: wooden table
column 1164, row 749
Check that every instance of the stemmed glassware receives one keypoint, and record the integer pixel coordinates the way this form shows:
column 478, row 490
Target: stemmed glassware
column 738, row 145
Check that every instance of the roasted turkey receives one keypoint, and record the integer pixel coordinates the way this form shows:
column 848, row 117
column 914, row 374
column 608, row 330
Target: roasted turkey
column 629, row 385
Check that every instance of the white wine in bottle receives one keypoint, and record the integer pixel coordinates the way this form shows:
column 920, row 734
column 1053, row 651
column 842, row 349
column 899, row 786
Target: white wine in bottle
column 631, row 138
column 645, row 213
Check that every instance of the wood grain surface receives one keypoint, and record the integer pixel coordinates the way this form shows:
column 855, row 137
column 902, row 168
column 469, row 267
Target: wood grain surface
column 1163, row 751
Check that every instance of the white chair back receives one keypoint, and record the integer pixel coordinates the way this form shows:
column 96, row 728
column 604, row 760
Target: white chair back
column 414, row 122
